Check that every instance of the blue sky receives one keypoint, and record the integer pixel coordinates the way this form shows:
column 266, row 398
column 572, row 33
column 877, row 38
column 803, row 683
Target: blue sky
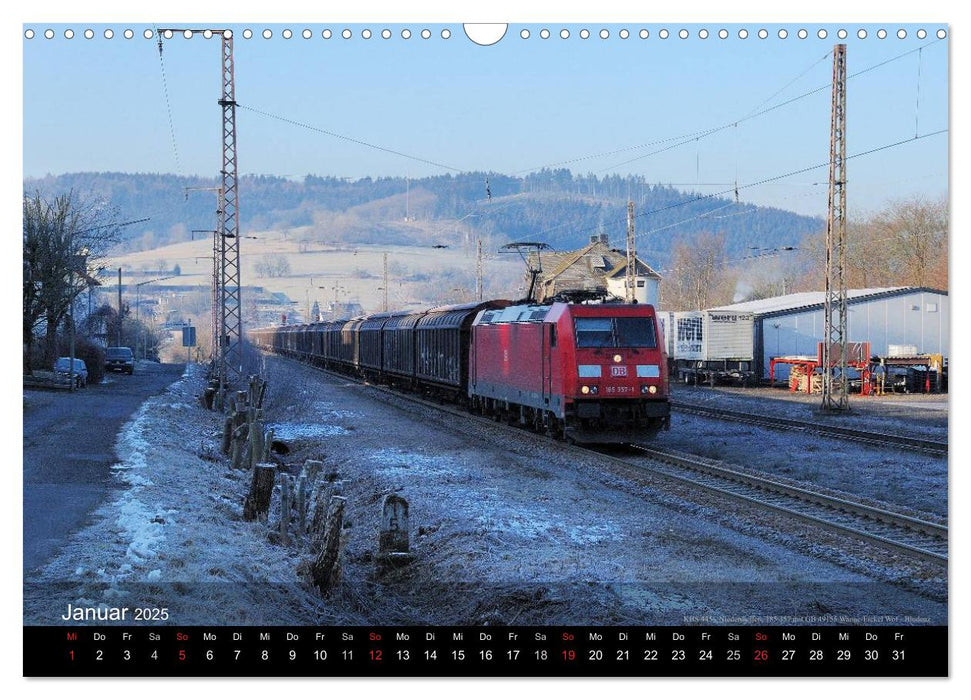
column 98, row 104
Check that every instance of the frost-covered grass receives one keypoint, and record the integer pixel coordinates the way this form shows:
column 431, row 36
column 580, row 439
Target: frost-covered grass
column 173, row 536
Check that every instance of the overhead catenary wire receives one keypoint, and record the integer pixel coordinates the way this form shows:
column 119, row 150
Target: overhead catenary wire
column 788, row 85
column 757, row 183
column 679, row 140
column 687, row 138
column 768, row 253
column 350, row 139
column 707, row 215
column 168, row 104
column 917, row 105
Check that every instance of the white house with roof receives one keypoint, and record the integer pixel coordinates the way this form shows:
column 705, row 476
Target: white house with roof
column 887, row 316
column 595, row 267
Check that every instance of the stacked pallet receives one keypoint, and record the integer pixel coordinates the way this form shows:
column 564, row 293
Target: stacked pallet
column 801, row 380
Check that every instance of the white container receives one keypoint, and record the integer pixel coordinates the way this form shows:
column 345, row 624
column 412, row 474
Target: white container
column 902, row 350
column 665, row 321
column 713, row 335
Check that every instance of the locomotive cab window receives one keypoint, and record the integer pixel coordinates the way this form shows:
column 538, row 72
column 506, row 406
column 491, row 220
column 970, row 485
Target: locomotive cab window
column 630, row 332
column 635, row 332
column 595, row 333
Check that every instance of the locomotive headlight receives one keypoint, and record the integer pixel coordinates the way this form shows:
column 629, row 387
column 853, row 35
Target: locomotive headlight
column 594, row 389
column 643, row 388
column 584, row 389
column 652, row 389
column 617, row 358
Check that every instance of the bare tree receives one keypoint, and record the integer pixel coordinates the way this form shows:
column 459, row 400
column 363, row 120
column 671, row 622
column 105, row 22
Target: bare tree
column 700, row 277
column 275, row 265
column 914, row 235
column 63, row 241
column 904, row 244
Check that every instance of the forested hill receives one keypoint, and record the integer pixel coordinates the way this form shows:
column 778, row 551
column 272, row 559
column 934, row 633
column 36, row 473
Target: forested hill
column 551, row 206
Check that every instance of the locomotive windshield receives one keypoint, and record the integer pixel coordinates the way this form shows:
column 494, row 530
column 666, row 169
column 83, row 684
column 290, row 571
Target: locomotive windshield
column 628, row 332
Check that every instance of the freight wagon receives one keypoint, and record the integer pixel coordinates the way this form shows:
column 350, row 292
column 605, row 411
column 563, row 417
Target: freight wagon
column 712, row 347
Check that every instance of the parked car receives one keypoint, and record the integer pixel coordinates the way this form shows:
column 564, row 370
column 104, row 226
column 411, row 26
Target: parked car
column 62, row 368
column 120, row 359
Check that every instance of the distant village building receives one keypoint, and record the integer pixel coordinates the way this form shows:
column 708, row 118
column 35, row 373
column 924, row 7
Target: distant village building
column 342, row 309
column 595, row 268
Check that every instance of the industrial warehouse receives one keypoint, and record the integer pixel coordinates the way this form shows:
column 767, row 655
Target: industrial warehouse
column 768, row 339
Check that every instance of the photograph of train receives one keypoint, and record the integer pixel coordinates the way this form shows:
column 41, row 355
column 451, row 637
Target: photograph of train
column 326, row 325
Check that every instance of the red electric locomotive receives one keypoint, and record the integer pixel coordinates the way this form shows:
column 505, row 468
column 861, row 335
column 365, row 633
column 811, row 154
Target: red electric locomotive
column 586, row 372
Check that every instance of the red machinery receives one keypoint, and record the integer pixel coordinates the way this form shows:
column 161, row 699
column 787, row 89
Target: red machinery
column 857, row 358
column 590, row 372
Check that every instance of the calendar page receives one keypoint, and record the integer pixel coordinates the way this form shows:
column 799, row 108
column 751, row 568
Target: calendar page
column 541, row 348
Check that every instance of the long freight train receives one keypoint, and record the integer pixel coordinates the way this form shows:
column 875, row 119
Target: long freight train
column 583, row 372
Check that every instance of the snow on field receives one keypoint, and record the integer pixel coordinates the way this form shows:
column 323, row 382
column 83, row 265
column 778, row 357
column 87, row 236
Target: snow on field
column 304, row 431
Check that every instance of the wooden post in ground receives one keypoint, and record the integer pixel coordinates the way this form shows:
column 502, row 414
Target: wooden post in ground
column 312, row 468
column 323, row 493
column 325, row 571
column 318, row 502
column 208, row 397
column 267, row 445
column 227, row 435
column 256, row 441
column 240, row 442
column 302, row 504
column 286, row 505
column 257, row 504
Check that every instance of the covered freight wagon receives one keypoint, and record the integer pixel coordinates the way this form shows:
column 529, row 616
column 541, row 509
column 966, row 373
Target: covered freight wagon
column 398, row 339
column 441, row 338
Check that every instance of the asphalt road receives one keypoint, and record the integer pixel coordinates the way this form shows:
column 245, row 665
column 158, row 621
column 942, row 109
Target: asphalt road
column 69, row 447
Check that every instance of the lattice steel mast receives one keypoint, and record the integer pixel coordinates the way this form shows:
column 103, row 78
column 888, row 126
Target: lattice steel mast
column 231, row 346
column 216, row 297
column 478, row 269
column 386, row 307
column 629, row 280
column 229, row 362
column 835, row 390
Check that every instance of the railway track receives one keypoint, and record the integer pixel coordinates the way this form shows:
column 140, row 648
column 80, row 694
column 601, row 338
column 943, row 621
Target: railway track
column 926, row 540
column 868, row 437
column 901, row 533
